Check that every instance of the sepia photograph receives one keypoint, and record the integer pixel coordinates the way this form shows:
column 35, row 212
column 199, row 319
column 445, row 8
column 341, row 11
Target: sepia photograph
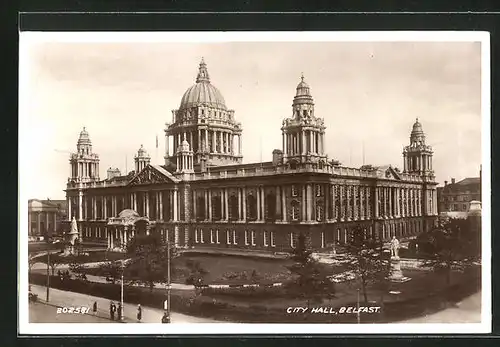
column 276, row 182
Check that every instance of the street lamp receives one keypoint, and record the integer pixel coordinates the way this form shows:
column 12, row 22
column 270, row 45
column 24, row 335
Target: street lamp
column 167, row 306
column 121, row 292
column 358, row 316
column 48, row 276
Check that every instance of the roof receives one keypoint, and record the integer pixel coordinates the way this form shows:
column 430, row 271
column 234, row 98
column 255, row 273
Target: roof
column 469, row 180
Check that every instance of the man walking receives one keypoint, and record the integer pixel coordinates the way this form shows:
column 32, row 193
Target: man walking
column 139, row 313
column 94, row 308
column 112, row 309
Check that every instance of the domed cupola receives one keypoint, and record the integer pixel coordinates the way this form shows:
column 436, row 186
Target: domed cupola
column 203, row 93
column 303, row 93
column 207, row 125
column 417, row 136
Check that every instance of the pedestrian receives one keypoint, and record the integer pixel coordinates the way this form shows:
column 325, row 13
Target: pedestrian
column 139, row 313
column 112, row 310
column 94, row 308
column 165, row 318
column 120, row 311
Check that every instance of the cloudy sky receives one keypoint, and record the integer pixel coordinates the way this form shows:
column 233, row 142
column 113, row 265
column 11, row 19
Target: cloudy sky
column 370, row 92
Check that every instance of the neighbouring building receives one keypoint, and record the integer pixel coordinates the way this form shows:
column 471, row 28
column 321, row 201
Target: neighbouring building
column 204, row 196
column 45, row 217
column 454, row 198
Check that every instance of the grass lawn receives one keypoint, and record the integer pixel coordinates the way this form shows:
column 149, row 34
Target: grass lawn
column 91, row 258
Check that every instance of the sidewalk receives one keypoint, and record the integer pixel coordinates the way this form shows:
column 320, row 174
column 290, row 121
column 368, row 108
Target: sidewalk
column 60, row 298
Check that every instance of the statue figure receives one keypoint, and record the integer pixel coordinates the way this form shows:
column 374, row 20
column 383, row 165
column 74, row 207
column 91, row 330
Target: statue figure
column 394, row 247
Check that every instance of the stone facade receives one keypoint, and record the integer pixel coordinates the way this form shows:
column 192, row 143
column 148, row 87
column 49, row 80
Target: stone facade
column 260, row 206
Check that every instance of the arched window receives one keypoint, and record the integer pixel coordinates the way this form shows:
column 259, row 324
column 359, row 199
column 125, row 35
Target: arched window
column 319, row 212
column 216, row 208
column 251, row 207
column 233, row 208
column 295, row 210
column 293, row 165
column 270, row 207
column 200, row 208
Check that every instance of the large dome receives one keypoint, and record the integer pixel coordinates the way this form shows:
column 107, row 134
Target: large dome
column 203, row 93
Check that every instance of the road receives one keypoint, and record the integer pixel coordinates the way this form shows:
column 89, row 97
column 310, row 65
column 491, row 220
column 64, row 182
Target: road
column 63, row 298
column 466, row 311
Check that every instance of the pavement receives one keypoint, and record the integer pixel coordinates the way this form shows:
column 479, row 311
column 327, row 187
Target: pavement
column 465, row 311
column 60, row 298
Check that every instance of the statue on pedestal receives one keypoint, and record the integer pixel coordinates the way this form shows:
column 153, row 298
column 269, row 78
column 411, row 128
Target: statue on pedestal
column 396, row 273
column 71, row 238
column 394, row 247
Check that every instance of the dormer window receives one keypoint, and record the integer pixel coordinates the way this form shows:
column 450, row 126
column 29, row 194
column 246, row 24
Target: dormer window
column 295, row 191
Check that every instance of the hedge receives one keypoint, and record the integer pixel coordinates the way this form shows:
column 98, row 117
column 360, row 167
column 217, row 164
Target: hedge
column 187, row 302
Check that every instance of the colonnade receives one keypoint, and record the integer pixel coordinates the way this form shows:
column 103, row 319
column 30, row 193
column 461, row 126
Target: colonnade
column 302, row 142
column 417, row 163
column 215, row 141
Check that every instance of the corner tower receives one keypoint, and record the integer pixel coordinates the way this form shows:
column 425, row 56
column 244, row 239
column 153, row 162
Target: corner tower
column 84, row 163
column 303, row 134
column 417, row 155
column 208, row 126
column 142, row 159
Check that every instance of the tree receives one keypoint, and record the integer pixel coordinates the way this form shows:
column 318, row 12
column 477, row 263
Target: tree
column 196, row 273
column 112, row 270
column 309, row 281
column 367, row 261
column 55, row 261
column 449, row 245
column 79, row 270
column 149, row 263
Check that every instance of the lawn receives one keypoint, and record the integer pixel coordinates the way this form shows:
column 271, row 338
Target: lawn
column 94, row 256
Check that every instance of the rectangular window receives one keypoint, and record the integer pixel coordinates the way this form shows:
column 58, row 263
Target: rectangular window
column 235, row 242
column 196, row 240
column 319, row 190
column 292, row 240
column 253, row 237
column 228, row 237
column 211, row 236
column 265, row 239
column 202, row 236
column 217, row 236
column 246, row 237
column 322, row 239
column 273, row 244
column 294, row 190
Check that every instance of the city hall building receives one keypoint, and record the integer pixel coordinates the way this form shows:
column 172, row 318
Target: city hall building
column 205, row 196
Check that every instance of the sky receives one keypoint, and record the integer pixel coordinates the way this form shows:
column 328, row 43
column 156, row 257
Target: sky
column 369, row 94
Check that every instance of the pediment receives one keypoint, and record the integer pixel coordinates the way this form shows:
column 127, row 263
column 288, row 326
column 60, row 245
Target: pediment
column 390, row 173
column 152, row 175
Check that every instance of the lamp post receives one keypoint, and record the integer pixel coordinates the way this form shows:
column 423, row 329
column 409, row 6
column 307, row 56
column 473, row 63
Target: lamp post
column 358, row 315
column 121, row 292
column 168, row 276
column 48, row 276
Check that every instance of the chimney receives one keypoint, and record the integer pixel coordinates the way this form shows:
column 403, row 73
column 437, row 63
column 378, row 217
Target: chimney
column 445, row 183
column 452, row 181
column 277, row 156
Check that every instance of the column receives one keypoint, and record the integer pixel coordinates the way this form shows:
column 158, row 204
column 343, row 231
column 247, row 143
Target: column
column 80, row 205
column 355, row 215
column 239, row 144
column 206, row 139
column 199, row 147
column 195, row 206
column 283, row 204
column 146, row 198
column 240, row 214
column 377, row 212
column 213, row 142
column 258, row 203
column 226, row 204
column 69, row 208
column 244, row 203
column 327, row 201
column 283, row 141
column 341, row 201
column 367, row 203
column 160, row 197
column 278, row 202
column 262, row 204
column 175, row 206
column 222, row 207
column 55, row 222
column 391, row 197
column 309, row 202
column 209, row 205
column 304, row 203
column 334, row 203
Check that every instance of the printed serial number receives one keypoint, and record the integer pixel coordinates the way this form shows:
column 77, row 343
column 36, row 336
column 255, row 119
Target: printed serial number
column 75, row 310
